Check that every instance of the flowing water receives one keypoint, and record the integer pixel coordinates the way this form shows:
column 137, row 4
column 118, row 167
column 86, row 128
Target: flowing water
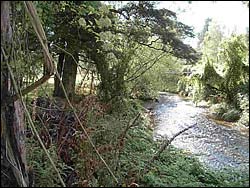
column 215, row 145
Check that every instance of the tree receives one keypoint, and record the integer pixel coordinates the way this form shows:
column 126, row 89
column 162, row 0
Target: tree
column 236, row 70
column 143, row 25
column 202, row 34
column 13, row 161
column 211, row 43
column 88, row 21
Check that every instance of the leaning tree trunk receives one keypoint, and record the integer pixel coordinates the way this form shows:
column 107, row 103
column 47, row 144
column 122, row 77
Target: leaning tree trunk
column 13, row 159
column 67, row 65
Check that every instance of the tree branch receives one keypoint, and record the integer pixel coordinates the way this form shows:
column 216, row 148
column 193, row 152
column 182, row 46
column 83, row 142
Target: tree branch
column 131, row 78
column 165, row 144
column 48, row 63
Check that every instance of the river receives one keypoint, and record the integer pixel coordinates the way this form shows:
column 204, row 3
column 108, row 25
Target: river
column 216, row 146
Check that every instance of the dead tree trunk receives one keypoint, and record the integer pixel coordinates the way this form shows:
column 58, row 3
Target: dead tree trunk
column 13, row 154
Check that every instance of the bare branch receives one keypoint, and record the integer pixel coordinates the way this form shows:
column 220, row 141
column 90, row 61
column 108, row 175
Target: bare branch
column 165, row 144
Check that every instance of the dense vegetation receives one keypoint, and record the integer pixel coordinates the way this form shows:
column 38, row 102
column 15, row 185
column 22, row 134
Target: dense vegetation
column 221, row 77
column 74, row 75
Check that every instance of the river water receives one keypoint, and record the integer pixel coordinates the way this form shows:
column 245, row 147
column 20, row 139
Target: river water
column 216, row 146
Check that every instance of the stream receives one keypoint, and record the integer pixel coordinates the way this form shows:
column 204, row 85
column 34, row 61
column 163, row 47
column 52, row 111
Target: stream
column 216, row 146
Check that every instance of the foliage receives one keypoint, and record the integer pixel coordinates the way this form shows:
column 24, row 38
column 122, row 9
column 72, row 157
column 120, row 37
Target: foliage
column 162, row 76
column 109, row 42
column 244, row 107
column 202, row 34
column 184, row 86
column 173, row 168
column 40, row 167
column 225, row 112
column 129, row 49
column 125, row 154
column 211, row 44
column 222, row 73
column 234, row 53
column 231, row 115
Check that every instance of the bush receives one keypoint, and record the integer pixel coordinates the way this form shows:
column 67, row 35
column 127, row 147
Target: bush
column 219, row 109
column 225, row 112
column 243, row 101
column 244, row 119
column 231, row 116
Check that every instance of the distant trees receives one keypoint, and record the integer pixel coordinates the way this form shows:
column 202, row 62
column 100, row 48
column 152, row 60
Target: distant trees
column 201, row 35
column 223, row 69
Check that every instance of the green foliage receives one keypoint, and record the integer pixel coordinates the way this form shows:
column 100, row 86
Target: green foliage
column 126, row 154
column 184, row 88
column 43, row 173
column 162, row 76
column 219, row 109
column 202, row 34
column 244, row 107
column 222, row 73
column 210, row 44
column 172, row 168
column 231, row 115
column 244, row 119
column 114, row 47
column 234, row 53
column 225, row 112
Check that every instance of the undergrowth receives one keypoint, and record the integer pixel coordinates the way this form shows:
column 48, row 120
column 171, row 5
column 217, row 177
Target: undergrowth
column 125, row 150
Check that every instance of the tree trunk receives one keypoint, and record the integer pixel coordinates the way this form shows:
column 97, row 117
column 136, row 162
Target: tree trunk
column 68, row 68
column 105, row 87
column 13, row 154
column 57, row 88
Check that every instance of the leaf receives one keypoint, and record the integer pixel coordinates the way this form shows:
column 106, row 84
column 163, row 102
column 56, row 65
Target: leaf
column 107, row 22
column 103, row 22
column 104, row 9
column 82, row 22
column 18, row 7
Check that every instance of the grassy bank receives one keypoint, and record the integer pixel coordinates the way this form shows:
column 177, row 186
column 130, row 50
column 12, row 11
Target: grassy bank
column 125, row 141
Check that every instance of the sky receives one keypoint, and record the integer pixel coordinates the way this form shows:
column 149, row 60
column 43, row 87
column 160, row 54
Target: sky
column 233, row 15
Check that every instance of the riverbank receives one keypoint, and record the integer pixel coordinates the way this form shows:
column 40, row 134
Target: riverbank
column 219, row 147
column 210, row 114
column 125, row 140
column 242, row 129
column 173, row 168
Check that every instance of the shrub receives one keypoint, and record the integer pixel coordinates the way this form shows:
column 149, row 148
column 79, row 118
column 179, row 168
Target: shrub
column 231, row 115
column 244, row 119
column 219, row 109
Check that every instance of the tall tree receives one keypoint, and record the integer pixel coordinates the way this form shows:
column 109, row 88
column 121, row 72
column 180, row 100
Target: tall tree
column 210, row 45
column 78, row 28
column 202, row 34
column 71, row 34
